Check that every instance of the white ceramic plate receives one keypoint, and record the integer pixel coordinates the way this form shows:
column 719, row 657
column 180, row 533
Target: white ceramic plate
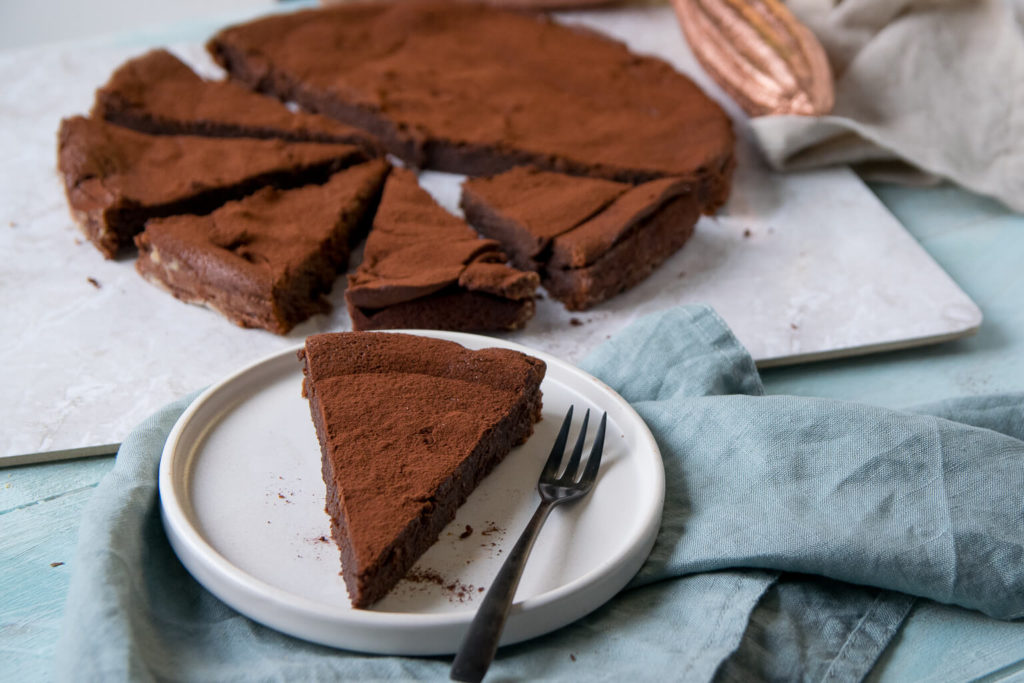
column 243, row 505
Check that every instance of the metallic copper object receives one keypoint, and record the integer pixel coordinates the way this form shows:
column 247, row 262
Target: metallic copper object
column 549, row 4
column 760, row 54
column 528, row 4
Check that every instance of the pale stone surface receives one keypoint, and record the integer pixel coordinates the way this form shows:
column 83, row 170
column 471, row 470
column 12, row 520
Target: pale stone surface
column 825, row 270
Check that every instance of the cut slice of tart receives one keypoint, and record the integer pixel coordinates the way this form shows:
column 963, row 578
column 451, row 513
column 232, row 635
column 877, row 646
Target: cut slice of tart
column 424, row 268
column 157, row 93
column 408, row 427
column 116, row 179
column 269, row 259
column 589, row 239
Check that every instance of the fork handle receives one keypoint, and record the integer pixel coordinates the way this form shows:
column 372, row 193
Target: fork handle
column 481, row 641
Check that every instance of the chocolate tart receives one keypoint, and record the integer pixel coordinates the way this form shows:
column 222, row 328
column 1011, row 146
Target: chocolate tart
column 589, row 239
column 116, row 179
column 269, row 259
column 467, row 88
column 408, row 427
column 157, row 93
column 425, row 268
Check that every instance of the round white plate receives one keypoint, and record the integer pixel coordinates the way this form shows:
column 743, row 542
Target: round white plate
column 243, row 504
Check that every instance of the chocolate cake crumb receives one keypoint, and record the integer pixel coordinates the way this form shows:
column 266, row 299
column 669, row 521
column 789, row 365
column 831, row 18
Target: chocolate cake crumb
column 572, row 656
column 94, row 282
column 575, row 322
column 467, row 533
column 424, row 576
column 455, row 589
column 492, row 528
column 323, row 539
column 794, row 326
column 747, row 233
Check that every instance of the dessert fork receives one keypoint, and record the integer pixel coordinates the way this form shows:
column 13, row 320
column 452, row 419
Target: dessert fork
column 481, row 641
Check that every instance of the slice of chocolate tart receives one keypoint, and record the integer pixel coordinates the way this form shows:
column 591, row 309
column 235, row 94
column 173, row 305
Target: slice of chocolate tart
column 267, row 260
column 589, row 239
column 462, row 87
column 408, row 427
column 424, row 268
column 116, row 179
column 159, row 94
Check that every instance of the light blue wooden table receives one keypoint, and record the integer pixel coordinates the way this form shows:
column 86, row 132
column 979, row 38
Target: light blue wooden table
column 977, row 241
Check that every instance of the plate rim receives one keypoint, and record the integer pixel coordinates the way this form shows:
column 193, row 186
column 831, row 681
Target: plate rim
column 201, row 558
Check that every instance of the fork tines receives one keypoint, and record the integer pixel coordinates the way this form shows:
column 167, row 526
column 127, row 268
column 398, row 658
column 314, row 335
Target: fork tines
column 568, row 474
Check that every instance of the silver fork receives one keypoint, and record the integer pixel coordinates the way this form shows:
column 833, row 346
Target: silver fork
column 481, row 642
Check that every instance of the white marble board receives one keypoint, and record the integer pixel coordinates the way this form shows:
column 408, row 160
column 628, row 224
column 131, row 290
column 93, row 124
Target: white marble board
column 802, row 266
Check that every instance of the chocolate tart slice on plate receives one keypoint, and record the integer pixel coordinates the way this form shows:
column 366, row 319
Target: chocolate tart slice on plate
column 408, row 427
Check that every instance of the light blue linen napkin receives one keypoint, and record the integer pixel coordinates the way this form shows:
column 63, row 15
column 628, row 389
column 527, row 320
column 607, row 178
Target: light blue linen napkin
column 904, row 503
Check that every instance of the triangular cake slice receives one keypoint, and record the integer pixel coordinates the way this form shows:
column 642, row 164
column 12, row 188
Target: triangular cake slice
column 116, row 179
column 425, row 268
column 408, row 427
column 589, row 239
column 157, row 93
column 269, row 259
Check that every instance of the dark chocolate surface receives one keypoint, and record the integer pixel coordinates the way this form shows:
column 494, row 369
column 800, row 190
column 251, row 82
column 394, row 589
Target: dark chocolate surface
column 408, row 427
column 158, row 93
column 116, row 179
column 266, row 260
column 417, row 249
column 467, row 88
column 548, row 221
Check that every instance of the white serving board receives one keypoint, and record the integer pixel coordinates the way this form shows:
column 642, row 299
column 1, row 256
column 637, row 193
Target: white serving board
column 802, row 266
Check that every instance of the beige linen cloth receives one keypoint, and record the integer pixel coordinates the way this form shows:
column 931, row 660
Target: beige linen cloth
column 924, row 90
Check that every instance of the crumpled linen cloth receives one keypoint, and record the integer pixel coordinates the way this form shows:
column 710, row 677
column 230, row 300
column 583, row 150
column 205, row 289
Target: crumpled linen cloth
column 796, row 534
column 925, row 90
